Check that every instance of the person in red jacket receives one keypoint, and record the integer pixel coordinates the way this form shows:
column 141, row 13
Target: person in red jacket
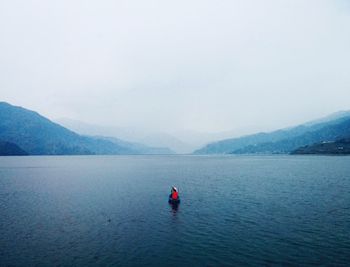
column 174, row 193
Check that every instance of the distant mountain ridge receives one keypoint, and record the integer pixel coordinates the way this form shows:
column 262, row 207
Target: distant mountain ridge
column 37, row 135
column 140, row 148
column 335, row 131
column 134, row 135
column 333, row 127
column 24, row 132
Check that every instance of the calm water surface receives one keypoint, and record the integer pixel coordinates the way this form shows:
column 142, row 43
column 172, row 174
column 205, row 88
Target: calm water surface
column 235, row 210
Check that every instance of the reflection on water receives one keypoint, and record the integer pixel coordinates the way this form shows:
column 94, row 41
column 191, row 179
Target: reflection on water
column 174, row 207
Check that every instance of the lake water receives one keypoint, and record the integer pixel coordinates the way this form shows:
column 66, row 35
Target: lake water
column 235, row 210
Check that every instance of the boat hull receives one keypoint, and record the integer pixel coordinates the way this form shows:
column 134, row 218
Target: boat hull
column 173, row 201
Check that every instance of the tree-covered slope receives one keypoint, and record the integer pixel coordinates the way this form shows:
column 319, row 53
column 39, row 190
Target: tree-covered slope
column 10, row 149
column 339, row 147
column 327, row 133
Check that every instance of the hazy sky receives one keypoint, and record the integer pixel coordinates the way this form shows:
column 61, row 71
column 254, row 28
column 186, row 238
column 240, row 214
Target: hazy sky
column 171, row 65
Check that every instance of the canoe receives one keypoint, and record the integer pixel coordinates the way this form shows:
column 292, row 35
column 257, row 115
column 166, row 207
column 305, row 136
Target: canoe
column 173, row 201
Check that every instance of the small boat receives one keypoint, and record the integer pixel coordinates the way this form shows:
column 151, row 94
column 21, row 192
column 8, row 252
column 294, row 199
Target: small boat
column 173, row 201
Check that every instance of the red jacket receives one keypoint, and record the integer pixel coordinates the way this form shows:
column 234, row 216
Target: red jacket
column 175, row 195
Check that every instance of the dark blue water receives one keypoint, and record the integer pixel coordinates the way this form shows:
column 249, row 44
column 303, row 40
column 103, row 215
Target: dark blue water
column 103, row 211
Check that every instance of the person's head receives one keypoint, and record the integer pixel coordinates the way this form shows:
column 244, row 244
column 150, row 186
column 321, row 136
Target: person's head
column 174, row 188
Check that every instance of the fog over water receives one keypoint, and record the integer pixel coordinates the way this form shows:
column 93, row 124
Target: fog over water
column 176, row 66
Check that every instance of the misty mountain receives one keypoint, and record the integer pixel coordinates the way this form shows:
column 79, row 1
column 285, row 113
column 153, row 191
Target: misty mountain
column 336, row 130
column 140, row 148
column 331, row 127
column 152, row 139
column 37, row 135
column 183, row 142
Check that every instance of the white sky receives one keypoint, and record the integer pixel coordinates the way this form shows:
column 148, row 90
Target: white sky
column 172, row 65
